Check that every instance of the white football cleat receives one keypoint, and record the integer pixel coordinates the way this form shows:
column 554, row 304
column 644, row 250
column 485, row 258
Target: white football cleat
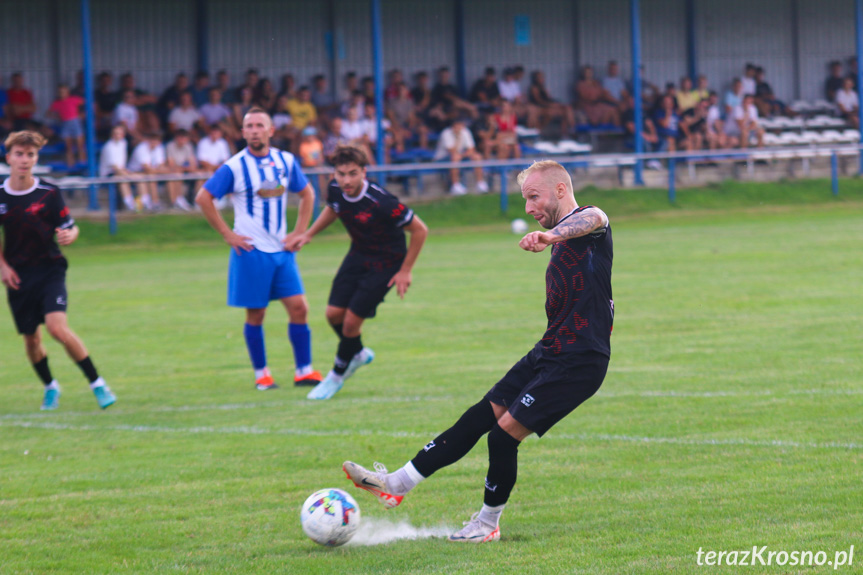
column 364, row 357
column 475, row 531
column 372, row 481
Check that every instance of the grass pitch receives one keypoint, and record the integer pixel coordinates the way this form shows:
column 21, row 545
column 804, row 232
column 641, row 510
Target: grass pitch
column 730, row 416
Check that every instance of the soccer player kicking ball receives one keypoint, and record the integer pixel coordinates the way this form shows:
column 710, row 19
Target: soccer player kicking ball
column 261, row 268
column 34, row 270
column 563, row 369
column 378, row 259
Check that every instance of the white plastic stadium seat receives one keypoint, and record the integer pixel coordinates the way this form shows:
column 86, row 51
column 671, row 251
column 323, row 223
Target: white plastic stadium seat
column 772, row 140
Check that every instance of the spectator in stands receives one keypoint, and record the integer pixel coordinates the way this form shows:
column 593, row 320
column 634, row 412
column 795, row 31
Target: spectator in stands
column 181, row 159
column 852, row 70
column 367, row 87
column 370, row 128
column 184, row 116
column 350, row 85
column 549, row 108
column 149, row 159
column 485, row 94
column 144, row 101
column 201, row 89
column 510, row 90
column 354, row 132
column 264, row 95
column 648, row 128
column 834, row 81
column 223, row 83
column 401, row 112
column 613, row 85
column 170, row 98
column 67, row 110
column 333, row 139
column 748, row 81
column 733, row 98
column 243, row 105
column 693, row 126
column 848, row 103
column 284, row 135
column 765, row 100
column 714, row 130
column 702, row 89
column 213, row 151
column 687, row 98
column 250, row 81
column 667, row 123
column 106, row 101
column 22, row 106
column 649, row 91
column 455, row 144
column 591, row 100
column 301, row 109
column 78, row 88
column 505, row 143
column 215, row 112
column 391, row 92
column 288, row 87
column 445, row 96
column 322, row 98
column 743, row 124
column 311, row 154
column 113, row 160
column 126, row 113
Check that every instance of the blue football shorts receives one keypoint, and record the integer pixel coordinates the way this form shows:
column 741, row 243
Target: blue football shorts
column 255, row 278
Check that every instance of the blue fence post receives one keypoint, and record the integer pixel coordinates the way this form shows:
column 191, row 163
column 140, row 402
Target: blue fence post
column 834, row 172
column 378, row 74
column 672, row 192
column 112, row 209
column 635, row 45
column 90, row 120
column 858, row 27
column 504, row 199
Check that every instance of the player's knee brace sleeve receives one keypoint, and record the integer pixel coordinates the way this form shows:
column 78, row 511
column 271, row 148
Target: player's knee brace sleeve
column 502, row 466
column 457, row 441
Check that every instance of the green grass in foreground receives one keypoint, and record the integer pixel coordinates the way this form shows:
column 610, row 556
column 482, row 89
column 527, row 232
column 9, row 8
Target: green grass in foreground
column 730, row 416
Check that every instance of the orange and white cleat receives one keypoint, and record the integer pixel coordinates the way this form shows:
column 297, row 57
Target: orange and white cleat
column 372, row 481
column 265, row 382
column 311, row 379
column 476, row 531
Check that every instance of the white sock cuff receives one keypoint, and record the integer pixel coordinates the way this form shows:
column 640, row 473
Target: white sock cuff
column 53, row 385
column 98, row 383
column 412, row 472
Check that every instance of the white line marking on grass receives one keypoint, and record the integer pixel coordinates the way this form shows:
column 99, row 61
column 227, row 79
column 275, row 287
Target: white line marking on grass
column 589, row 437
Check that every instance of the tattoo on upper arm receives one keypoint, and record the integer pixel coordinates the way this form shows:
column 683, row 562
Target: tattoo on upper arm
column 578, row 225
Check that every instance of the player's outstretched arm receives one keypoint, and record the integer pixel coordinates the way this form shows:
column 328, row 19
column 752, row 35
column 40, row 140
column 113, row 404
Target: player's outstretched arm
column 575, row 226
column 305, row 209
column 418, row 231
column 294, row 241
column 204, row 199
column 8, row 275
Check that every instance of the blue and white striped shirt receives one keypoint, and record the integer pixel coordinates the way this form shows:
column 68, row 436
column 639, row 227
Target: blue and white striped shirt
column 260, row 187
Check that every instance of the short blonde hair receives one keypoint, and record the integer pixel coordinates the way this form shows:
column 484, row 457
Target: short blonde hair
column 25, row 138
column 549, row 168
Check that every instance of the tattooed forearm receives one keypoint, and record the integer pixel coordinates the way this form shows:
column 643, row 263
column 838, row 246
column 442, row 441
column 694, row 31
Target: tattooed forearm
column 578, row 225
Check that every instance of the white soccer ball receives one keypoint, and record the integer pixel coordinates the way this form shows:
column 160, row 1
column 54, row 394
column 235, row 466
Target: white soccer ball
column 519, row 226
column 330, row 517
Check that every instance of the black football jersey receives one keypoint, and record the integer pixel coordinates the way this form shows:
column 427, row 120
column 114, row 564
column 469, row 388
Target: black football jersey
column 579, row 305
column 375, row 220
column 29, row 219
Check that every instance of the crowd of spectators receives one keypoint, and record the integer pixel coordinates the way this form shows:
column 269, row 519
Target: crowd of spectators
column 194, row 126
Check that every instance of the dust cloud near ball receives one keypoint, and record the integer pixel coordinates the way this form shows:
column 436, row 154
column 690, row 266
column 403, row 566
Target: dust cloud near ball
column 374, row 531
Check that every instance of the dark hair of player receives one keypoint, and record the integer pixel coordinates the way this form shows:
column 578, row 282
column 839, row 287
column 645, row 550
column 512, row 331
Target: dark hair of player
column 24, row 138
column 349, row 155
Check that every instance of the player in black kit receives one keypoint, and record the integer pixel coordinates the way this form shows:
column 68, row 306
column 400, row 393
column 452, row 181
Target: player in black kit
column 377, row 260
column 33, row 269
column 563, row 369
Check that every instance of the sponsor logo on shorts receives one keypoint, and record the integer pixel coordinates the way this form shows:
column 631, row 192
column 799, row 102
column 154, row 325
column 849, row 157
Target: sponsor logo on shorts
column 489, row 486
column 428, row 445
column 61, row 300
column 527, row 400
column 3, row 209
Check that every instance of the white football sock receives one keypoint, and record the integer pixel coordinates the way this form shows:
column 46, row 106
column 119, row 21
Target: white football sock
column 303, row 371
column 53, row 385
column 98, row 383
column 403, row 480
column 263, row 372
column 491, row 515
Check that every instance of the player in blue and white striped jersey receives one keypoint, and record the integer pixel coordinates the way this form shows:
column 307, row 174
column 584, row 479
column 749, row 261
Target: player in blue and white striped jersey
column 261, row 269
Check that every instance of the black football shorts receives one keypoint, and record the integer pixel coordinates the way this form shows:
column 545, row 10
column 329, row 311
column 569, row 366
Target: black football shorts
column 42, row 291
column 360, row 285
column 539, row 391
